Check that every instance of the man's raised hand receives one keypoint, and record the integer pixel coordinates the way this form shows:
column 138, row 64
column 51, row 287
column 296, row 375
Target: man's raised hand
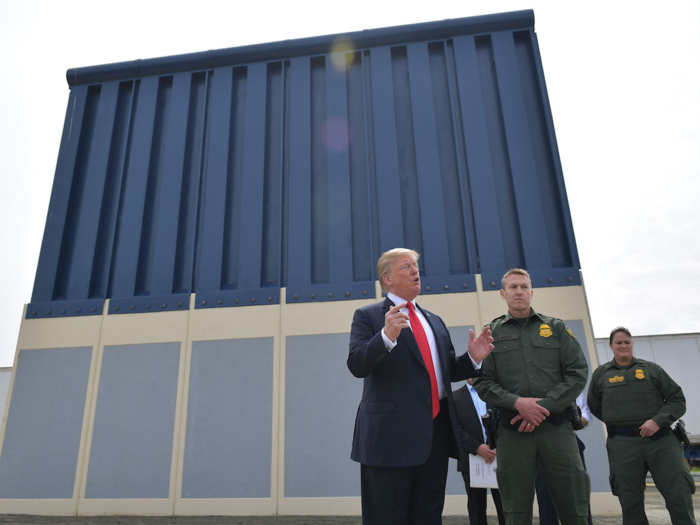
column 480, row 347
column 395, row 321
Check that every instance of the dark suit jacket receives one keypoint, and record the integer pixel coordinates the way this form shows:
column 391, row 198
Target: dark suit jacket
column 394, row 424
column 468, row 426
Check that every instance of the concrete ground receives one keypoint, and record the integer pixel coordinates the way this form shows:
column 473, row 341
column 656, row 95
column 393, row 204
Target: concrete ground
column 656, row 512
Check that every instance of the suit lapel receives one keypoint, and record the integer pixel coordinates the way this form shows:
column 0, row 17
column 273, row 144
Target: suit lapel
column 406, row 335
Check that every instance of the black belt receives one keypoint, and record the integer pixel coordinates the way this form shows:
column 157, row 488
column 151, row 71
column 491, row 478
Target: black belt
column 614, row 430
column 507, row 415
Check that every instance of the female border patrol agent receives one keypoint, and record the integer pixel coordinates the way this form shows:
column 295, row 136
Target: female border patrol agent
column 638, row 401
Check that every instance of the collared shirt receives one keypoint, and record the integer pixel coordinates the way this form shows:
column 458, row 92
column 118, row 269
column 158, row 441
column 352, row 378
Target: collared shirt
column 428, row 334
column 480, row 407
column 540, row 358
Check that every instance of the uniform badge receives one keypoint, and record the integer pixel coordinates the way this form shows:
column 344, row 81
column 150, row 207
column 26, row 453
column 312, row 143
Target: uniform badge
column 570, row 332
column 616, row 379
column 545, row 330
column 639, row 373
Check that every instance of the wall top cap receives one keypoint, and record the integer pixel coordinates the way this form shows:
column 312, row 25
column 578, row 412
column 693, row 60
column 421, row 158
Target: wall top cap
column 318, row 45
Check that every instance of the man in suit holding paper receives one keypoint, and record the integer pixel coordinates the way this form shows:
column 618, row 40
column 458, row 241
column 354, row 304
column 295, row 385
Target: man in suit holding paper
column 472, row 440
column 404, row 428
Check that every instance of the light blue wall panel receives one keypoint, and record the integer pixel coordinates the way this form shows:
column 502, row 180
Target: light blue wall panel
column 455, row 483
column 42, row 436
column 228, row 444
column 593, row 437
column 321, row 403
column 132, row 439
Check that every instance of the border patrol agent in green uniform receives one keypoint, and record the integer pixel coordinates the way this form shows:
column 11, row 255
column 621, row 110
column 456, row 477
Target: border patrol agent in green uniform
column 534, row 371
column 638, row 401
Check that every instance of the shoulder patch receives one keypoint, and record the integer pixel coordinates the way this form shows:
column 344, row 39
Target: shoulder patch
column 570, row 332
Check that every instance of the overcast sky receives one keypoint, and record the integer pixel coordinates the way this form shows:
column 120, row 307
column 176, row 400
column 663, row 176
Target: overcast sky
column 623, row 81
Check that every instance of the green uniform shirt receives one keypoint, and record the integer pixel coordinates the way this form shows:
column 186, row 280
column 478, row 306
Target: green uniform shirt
column 541, row 358
column 629, row 396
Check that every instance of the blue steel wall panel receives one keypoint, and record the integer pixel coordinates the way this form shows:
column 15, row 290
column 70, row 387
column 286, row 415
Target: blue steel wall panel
column 427, row 166
column 522, row 163
column 386, row 151
column 236, row 173
column 299, row 200
column 215, row 181
column 167, row 211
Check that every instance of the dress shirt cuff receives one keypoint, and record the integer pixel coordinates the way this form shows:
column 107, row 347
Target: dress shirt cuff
column 388, row 343
column 477, row 366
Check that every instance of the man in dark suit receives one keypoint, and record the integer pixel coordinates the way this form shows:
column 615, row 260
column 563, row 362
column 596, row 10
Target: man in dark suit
column 470, row 434
column 404, row 428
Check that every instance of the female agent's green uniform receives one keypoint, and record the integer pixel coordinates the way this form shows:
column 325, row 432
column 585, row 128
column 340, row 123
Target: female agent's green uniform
column 624, row 398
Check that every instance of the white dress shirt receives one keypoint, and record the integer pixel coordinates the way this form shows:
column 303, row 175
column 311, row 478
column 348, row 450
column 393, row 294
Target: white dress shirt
column 585, row 411
column 431, row 342
column 480, row 408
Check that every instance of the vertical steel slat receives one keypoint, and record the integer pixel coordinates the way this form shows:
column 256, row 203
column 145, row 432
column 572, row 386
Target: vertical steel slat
column 91, row 204
column 216, row 180
column 281, row 262
column 132, row 212
column 370, row 165
column 556, row 160
column 253, row 179
column 338, row 159
column 480, row 167
column 167, row 221
column 58, row 206
column 299, row 248
column 386, row 148
column 524, row 171
column 432, row 214
column 460, row 158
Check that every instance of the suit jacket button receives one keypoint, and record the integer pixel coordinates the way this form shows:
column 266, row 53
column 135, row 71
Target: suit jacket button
column 429, row 401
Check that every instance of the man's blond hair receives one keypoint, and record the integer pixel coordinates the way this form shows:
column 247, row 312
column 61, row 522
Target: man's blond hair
column 387, row 260
column 515, row 271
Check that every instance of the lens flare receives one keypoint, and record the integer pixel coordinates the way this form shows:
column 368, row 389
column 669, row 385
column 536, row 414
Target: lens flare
column 341, row 59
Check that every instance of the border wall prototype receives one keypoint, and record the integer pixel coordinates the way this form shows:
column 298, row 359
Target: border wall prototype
column 215, row 220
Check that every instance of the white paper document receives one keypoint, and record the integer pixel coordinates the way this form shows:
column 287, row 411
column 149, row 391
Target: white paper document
column 481, row 474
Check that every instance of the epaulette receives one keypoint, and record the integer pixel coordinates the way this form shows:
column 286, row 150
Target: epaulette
column 498, row 318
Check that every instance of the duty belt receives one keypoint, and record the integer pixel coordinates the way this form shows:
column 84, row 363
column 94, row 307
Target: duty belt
column 507, row 415
column 614, row 430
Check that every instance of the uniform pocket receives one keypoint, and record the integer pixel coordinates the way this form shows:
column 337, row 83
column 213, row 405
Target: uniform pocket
column 547, row 353
column 505, row 346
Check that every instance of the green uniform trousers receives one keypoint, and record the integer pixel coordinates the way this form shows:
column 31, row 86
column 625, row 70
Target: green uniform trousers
column 568, row 482
column 629, row 459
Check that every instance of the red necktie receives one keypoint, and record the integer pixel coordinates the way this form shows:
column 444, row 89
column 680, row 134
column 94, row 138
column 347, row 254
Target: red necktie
column 424, row 348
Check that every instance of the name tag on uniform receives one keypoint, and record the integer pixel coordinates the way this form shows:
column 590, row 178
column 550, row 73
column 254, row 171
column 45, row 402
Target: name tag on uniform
column 616, row 379
column 506, row 338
